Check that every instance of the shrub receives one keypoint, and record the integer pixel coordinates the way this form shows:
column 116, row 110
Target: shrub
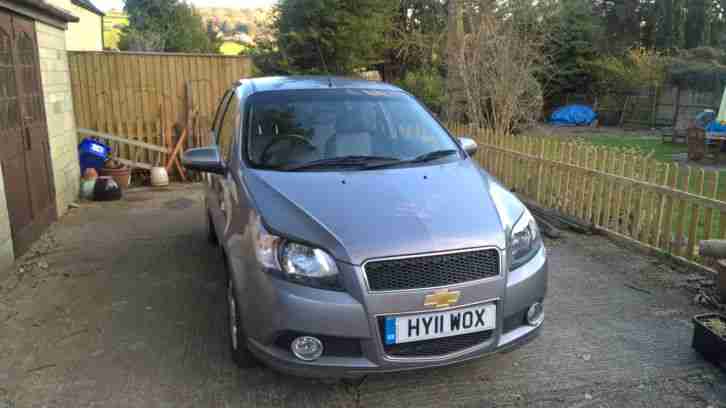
column 428, row 86
column 499, row 66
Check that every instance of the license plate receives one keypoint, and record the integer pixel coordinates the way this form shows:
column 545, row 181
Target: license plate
column 434, row 325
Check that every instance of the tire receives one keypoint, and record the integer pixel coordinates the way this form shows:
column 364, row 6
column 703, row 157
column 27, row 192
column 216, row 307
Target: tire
column 211, row 235
column 236, row 334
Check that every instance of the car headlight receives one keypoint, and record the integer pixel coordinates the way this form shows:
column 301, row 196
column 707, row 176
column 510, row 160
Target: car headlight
column 292, row 261
column 308, row 265
column 526, row 240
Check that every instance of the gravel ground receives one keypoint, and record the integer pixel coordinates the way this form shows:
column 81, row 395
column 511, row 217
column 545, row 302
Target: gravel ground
column 122, row 305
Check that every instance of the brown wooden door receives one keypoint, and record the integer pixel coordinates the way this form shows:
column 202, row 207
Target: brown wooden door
column 24, row 152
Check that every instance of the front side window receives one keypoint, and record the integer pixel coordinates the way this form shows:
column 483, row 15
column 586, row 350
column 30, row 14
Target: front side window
column 290, row 129
column 227, row 130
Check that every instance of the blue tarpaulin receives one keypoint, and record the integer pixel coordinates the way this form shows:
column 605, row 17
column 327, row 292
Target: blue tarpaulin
column 573, row 115
column 715, row 127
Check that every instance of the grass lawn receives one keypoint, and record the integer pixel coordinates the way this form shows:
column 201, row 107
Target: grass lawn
column 661, row 151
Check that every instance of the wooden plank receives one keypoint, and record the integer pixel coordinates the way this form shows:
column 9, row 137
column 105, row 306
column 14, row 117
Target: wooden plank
column 708, row 212
column 589, row 183
column 663, row 236
column 561, row 187
column 618, row 189
column 639, row 197
column 610, row 165
column 695, row 213
column 540, row 170
column 648, row 228
column 680, row 245
column 132, row 163
column 123, row 140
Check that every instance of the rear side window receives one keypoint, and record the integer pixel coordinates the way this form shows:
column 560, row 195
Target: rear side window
column 228, row 129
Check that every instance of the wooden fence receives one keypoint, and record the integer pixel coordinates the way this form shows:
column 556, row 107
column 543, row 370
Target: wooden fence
column 144, row 95
column 665, row 207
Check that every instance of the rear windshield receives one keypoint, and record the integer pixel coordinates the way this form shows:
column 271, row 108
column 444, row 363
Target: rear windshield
column 297, row 127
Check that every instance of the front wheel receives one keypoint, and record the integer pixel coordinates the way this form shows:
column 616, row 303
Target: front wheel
column 238, row 339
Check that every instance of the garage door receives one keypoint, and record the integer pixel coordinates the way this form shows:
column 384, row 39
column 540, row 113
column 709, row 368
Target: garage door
column 24, row 152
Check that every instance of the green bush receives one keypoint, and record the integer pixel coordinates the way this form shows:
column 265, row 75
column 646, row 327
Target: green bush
column 428, row 86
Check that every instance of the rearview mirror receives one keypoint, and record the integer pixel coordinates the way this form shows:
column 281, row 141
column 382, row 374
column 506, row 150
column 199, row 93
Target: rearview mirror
column 469, row 145
column 205, row 159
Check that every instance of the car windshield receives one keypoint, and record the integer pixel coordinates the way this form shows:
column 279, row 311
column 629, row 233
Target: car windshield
column 342, row 128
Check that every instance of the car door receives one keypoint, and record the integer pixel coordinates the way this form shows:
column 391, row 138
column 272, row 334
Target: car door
column 218, row 197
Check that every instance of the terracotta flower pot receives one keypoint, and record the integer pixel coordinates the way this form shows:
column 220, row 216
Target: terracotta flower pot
column 121, row 175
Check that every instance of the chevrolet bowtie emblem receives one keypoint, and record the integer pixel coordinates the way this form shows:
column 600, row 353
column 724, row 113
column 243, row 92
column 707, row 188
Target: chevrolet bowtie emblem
column 442, row 298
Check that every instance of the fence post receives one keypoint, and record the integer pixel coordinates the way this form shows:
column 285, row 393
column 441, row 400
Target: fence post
column 540, row 169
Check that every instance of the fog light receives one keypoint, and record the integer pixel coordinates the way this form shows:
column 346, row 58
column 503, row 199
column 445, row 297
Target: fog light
column 535, row 314
column 307, row 348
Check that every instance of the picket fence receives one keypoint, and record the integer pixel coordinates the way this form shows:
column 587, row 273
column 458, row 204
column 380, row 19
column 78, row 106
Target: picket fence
column 666, row 207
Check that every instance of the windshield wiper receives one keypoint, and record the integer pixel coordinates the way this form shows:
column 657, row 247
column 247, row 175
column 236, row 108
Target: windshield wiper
column 426, row 157
column 341, row 161
column 436, row 154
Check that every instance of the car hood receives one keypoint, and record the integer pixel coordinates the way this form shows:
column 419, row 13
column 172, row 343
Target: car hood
column 360, row 215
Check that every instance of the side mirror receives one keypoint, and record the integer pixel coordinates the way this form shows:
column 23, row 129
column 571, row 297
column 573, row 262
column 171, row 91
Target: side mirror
column 205, row 159
column 469, row 145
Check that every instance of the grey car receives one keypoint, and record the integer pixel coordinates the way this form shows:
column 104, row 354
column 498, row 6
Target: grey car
column 359, row 235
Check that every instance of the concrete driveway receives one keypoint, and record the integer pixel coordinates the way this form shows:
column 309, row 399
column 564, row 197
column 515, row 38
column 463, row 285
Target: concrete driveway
column 122, row 305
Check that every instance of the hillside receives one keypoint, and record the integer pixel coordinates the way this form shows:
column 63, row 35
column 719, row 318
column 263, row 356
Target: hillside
column 236, row 27
column 252, row 19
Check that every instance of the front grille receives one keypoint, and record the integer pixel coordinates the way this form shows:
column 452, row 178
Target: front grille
column 432, row 270
column 437, row 347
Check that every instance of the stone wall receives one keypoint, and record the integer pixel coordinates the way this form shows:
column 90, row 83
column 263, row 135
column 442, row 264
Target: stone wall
column 59, row 114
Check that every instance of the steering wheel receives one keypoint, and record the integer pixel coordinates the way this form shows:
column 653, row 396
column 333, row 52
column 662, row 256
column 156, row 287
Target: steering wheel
column 292, row 137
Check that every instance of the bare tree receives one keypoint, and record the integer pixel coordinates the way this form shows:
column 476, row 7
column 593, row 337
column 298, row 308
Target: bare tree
column 498, row 65
column 455, row 98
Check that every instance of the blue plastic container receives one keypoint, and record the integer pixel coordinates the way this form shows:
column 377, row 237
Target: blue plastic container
column 92, row 154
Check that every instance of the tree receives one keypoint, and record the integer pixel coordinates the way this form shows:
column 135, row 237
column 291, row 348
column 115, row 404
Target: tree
column 331, row 36
column 664, row 36
column 164, row 25
column 455, row 96
column 416, row 38
column 499, row 68
column 574, row 33
column 695, row 23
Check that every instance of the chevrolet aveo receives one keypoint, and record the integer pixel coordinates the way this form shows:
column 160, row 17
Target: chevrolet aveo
column 359, row 235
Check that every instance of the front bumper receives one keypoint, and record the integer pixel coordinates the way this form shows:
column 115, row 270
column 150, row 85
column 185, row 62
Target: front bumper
column 353, row 317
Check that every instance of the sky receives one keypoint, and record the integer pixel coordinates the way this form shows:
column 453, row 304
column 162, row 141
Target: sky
column 118, row 4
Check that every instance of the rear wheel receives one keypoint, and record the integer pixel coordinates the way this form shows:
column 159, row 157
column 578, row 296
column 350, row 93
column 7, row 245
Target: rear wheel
column 238, row 339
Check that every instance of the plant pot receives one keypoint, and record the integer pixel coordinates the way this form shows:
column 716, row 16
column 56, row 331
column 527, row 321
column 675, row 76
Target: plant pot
column 707, row 341
column 106, row 189
column 121, row 175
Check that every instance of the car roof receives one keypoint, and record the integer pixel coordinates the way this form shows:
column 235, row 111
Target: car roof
column 285, row 83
